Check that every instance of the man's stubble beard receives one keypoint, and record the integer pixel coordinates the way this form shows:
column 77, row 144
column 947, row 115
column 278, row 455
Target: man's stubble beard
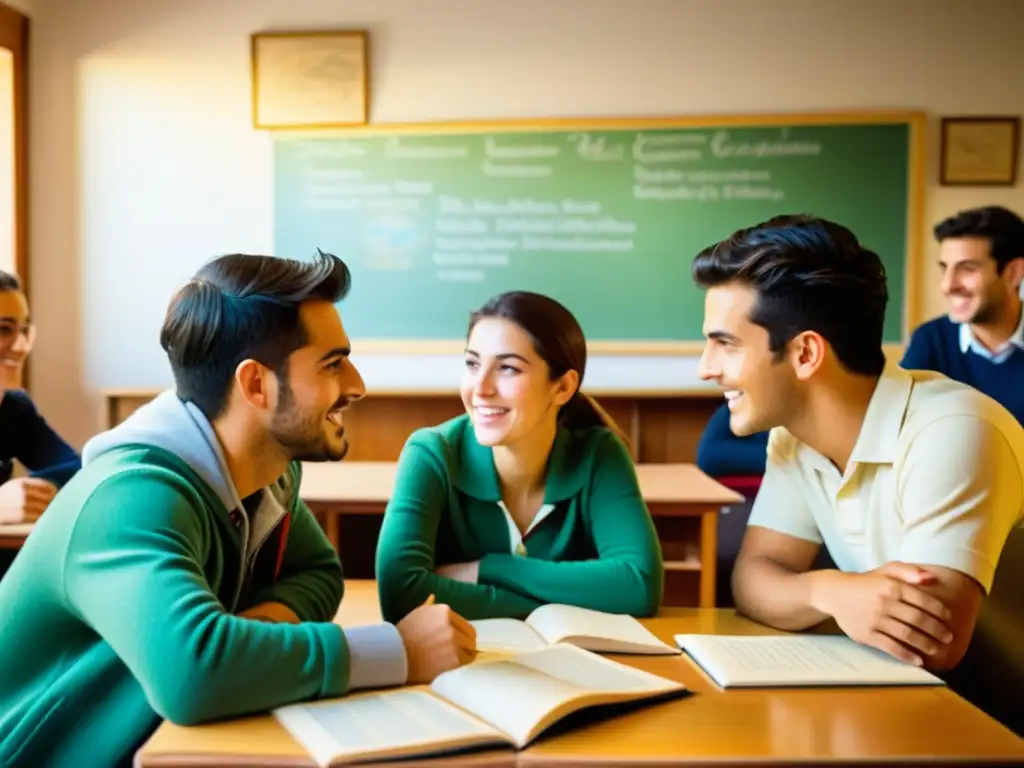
column 302, row 439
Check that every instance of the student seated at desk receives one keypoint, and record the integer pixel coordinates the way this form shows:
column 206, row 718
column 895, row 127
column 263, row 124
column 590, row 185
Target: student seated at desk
column 24, row 433
column 981, row 340
column 912, row 480
column 531, row 497
column 179, row 575
column 737, row 461
column 721, row 453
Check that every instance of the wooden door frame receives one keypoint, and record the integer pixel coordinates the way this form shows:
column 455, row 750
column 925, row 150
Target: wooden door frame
column 14, row 36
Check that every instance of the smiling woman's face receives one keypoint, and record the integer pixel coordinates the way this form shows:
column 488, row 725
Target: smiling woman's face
column 506, row 386
column 16, row 337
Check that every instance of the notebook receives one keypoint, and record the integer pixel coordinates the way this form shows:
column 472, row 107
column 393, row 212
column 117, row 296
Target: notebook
column 504, row 701
column 582, row 627
column 762, row 661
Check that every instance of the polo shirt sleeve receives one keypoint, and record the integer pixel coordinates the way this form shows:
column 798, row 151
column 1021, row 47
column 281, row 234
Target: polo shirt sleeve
column 959, row 491
column 781, row 503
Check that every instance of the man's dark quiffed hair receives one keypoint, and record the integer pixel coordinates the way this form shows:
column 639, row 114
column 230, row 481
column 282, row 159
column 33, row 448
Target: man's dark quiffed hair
column 9, row 282
column 240, row 307
column 1002, row 227
column 810, row 274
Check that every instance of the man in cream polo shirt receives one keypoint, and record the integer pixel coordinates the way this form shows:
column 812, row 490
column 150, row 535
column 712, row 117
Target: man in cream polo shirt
column 913, row 481
column 934, row 479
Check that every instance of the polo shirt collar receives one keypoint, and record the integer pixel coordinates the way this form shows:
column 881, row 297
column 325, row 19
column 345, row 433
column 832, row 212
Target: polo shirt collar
column 878, row 441
column 967, row 340
column 477, row 477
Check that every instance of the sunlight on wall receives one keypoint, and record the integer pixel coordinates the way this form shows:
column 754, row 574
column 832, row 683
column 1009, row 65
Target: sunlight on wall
column 8, row 221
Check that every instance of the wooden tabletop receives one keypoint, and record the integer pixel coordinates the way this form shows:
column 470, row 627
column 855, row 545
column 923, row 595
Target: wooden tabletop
column 894, row 726
column 373, row 481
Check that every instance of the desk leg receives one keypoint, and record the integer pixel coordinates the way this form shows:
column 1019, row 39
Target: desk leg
column 708, row 557
column 332, row 527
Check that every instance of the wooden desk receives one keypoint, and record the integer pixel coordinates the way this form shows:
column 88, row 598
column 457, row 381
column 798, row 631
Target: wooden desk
column 768, row 727
column 13, row 536
column 684, row 503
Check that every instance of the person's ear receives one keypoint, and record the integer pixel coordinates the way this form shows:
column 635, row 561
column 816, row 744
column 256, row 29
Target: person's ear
column 256, row 384
column 806, row 353
column 565, row 387
column 1013, row 273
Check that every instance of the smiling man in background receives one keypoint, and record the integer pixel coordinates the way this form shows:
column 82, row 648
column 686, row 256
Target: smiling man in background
column 981, row 341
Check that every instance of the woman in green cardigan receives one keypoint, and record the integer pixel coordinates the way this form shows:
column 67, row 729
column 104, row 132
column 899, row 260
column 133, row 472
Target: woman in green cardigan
column 531, row 496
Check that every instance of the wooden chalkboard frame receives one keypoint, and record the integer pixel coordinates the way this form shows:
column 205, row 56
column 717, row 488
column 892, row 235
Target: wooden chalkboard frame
column 916, row 121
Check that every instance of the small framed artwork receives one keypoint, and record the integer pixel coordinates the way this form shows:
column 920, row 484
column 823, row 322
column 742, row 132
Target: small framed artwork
column 979, row 151
column 304, row 80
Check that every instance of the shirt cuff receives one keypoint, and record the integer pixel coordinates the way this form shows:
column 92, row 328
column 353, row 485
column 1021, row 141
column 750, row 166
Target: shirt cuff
column 376, row 657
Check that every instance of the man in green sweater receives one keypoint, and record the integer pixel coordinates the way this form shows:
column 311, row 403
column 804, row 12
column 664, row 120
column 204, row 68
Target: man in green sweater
column 179, row 575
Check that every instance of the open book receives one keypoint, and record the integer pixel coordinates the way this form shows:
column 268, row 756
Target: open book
column 582, row 627
column 504, row 701
column 762, row 661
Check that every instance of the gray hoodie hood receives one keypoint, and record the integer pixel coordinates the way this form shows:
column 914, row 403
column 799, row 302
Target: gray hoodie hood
column 180, row 428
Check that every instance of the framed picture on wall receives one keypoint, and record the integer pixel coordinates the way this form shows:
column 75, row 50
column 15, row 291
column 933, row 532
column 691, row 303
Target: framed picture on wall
column 979, row 151
column 315, row 79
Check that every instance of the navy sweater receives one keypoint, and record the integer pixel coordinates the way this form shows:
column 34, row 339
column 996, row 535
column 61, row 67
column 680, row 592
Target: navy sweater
column 720, row 453
column 25, row 436
column 935, row 346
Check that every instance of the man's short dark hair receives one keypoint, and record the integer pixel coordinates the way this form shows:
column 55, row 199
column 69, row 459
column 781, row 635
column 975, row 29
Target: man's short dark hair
column 810, row 274
column 239, row 307
column 9, row 282
column 1001, row 226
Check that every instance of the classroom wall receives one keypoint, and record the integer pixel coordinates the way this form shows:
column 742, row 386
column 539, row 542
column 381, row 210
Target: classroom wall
column 144, row 163
column 27, row 7
column 8, row 234
column 7, row 221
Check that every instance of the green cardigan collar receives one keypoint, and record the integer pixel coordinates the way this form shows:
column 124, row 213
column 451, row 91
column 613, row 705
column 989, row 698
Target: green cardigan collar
column 477, row 476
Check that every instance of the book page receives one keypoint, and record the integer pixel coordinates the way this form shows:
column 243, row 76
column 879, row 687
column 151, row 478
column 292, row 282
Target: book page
column 388, row 723
column 595, row 630
column 506, row 636
column 535, row 686
column 780, row 660
column 589, row 671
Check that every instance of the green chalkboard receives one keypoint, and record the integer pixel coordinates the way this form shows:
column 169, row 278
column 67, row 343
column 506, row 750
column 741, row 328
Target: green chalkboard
column 604, row 216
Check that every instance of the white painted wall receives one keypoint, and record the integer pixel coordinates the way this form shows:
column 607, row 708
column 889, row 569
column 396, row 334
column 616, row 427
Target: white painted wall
column 8, row 221
column 8, row 234
column 144, row 163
